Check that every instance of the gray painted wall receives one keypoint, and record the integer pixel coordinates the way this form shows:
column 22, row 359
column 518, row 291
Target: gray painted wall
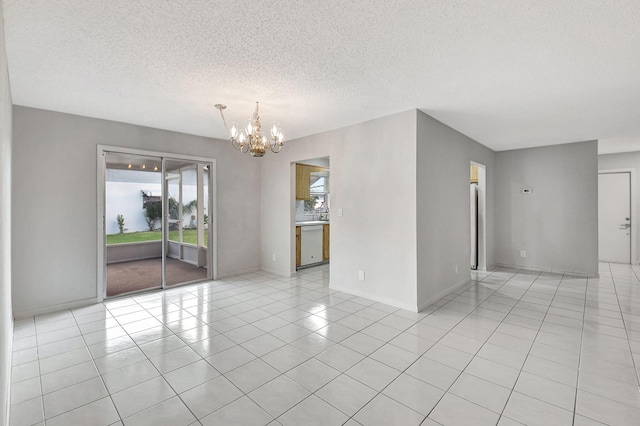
column 6, row 317
column 373, row 182
column 443, row 208
column 625, row 160
column 557, row 224
column 54, row 178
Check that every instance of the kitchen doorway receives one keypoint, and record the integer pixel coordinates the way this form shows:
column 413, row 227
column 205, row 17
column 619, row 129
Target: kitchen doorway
column 311, row 212
column 156, row 222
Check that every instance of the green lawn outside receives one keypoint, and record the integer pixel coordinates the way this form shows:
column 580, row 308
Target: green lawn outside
column 189, row 236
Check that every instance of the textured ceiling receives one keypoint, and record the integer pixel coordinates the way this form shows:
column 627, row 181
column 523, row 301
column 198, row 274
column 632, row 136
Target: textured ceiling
column 507, row 73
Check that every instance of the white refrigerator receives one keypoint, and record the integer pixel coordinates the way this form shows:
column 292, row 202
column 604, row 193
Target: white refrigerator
column 473, row 198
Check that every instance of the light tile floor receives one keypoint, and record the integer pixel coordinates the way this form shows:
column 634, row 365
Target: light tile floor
column 514, row 347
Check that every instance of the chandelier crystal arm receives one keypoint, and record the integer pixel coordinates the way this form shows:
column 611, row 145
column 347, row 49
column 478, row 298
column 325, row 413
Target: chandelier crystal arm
column 276, row 148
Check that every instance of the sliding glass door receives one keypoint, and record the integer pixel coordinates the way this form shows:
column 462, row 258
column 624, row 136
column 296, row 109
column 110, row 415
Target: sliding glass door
column 187, row 245
column 155, row 222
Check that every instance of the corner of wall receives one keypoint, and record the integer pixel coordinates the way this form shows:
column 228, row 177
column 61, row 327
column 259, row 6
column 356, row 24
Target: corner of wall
column 423, row 304
column 6, row 314
column 443, row 209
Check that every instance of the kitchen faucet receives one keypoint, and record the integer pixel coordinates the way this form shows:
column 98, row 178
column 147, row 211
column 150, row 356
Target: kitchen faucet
column 324, row 212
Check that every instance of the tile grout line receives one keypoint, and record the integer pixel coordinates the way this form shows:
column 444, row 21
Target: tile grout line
column 341, row 373
column 86, row 346
column 248, row 287
column 80, row 382
column 501, row 414
column 485, row 342
column 529, row 352
column 624, row 323
column 436, row 342
column 223, row 374
column 173, row 333
column 584, row 313
column 533, row 341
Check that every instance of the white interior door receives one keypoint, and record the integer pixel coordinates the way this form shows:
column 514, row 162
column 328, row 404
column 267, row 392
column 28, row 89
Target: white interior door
column 614, row 217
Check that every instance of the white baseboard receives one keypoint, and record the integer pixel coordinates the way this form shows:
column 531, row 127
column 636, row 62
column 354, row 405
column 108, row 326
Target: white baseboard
column 55, row 308
column 374, row 298
column 279, row 273
column 442, row 294
column 549, row 270
column 237, row 272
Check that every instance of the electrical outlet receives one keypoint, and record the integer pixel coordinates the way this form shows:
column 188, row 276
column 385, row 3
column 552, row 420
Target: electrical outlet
column 361, row 275
column 340, row 212
column 456, row 269
column 523, row 253
column 273, row 257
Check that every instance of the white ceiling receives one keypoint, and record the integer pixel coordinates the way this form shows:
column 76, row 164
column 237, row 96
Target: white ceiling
column 507, row 73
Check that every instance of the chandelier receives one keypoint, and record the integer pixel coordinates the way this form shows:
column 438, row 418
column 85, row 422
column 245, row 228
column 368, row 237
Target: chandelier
column 250, row 138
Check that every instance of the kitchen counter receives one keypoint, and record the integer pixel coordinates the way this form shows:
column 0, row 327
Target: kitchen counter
column 312, row 222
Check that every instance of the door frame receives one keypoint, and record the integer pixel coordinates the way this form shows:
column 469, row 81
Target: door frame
column 634, row 216
column 101, row 151
column 482, row 217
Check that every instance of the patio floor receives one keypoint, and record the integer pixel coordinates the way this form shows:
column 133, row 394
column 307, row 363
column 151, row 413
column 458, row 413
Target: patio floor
column 125, row 277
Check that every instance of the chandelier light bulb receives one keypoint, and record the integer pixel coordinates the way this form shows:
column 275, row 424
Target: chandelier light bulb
column 251, row 139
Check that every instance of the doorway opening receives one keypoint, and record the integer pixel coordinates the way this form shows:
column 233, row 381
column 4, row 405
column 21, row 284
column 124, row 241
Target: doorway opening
column 311, row 209
column 615, row 213
column 477, row 216
column 155, row 213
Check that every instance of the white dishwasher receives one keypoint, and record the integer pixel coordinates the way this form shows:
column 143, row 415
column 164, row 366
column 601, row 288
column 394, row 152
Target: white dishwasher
column 311, row 245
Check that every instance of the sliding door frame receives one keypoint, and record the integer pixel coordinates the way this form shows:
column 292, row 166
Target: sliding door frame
column 102, row 151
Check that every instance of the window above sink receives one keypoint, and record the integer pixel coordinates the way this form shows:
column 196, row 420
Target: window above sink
column 312, row 178
column 317, row 206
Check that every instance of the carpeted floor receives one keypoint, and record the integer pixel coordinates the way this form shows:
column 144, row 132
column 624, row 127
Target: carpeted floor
column 142, row 274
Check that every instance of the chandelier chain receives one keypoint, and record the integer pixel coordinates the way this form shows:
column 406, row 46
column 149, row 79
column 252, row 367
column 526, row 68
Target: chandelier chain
column 223, row 120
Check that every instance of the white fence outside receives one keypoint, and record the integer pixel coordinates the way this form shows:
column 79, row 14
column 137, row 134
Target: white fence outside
column 123, row 191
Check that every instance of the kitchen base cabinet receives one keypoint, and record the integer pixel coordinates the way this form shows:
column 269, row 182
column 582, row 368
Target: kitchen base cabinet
column 325, row 242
